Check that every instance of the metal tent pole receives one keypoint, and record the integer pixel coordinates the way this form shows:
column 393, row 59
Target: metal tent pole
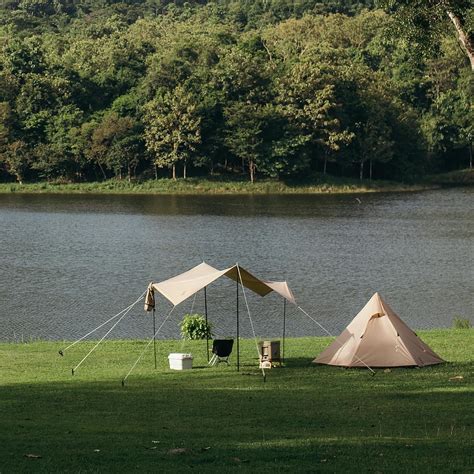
column 284, row 328
column 207, row 333
column 238, row 344
column 154, row 334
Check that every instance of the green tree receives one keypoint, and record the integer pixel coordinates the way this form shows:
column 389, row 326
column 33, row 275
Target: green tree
column 245, row 124
column 5, row 131
column 422, row 20
column 58, row 156
column 114, row 144
column 371, row 112
column 449, row 125
column 172, row 129
column 372, row 143
column 307, row 96
column 5, row 124
column 17, row 160
column 244, row 77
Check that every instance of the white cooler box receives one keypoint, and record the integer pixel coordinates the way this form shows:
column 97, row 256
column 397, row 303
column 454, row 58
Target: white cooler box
column 180, row 361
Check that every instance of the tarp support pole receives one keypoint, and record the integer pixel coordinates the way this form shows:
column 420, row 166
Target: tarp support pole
column 205, row 312
column 154, row 334
column 238, row 345
column 284, row 329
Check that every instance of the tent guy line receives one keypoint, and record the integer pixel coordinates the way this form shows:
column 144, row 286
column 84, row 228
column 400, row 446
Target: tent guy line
column 152, row 339
column 179, row 288
column 327, row 332
column 250, row 318
column 105, row 335
column 62, row 351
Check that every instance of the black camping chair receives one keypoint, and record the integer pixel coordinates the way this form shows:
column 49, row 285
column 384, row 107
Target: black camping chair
column 221, row 350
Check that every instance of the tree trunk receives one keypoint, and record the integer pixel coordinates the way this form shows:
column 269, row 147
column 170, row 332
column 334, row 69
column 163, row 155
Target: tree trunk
column 156, row 172
column 252, row 171
column 184, row 170
column 243, row 166
column 325, row 165
column 470, row 155
column 174, row 171
column 103, row 172
column 464, row 39
column 129, row 173
column 361, row 170
column 370, row 170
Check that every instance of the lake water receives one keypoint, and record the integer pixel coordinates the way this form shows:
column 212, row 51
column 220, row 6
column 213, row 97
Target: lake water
column 70, row 262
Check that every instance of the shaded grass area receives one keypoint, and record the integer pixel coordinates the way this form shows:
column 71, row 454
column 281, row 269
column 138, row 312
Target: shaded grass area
column 217, row 185
column 463, row 177
column 305, row 418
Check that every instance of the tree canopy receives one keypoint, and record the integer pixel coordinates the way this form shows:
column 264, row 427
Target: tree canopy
column 284, row 89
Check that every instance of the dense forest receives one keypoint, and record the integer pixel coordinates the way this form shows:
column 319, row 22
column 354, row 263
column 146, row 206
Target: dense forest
column 99, row 89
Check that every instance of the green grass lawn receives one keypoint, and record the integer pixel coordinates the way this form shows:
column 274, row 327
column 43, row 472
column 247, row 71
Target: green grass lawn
column 305, row 418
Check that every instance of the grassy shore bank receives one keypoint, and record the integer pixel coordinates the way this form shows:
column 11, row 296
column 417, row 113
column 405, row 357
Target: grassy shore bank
column 453, row 178
column 322, row 185
column 305, row 418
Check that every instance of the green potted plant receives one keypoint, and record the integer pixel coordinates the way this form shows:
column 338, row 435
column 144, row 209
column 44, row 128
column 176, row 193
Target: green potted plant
column 194, row 326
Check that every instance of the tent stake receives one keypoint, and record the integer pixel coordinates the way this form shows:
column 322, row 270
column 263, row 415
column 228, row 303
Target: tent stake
column 205, row 312
column 238, row 345
column 154, row 334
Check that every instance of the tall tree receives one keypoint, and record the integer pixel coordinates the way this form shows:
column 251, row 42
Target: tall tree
column 308, row 99
column 114, row 144
column 172, row 129
column 449, row 125
column 17, row 159
column 244, row 133
column 423, row 19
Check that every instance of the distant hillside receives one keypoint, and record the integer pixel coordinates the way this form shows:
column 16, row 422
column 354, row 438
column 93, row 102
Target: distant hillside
column 99, row 89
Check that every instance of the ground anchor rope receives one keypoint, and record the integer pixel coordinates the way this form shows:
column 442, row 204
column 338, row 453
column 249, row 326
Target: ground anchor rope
column 106, row 334
column 62, row 351
column 251, row 322
column 147, row 346
column 329, row 334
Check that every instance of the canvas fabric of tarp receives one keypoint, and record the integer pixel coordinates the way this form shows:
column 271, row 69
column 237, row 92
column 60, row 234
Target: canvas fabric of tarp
column 377, row 337
column 179, row 288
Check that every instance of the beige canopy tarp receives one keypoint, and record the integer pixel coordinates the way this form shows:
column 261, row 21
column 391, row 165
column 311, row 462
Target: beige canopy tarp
column 377, row 337
column 179, row 288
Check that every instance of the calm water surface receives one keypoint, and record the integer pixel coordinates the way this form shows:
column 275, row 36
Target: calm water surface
column 70, row 262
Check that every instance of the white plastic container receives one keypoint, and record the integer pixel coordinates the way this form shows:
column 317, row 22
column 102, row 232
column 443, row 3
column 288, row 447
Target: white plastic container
column 180, row 361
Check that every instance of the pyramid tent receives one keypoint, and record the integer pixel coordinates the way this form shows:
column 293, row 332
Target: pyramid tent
column 377, row 337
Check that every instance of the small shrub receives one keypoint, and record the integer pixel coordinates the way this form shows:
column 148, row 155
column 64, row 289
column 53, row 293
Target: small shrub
column 461, row 323
column 194, row 326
